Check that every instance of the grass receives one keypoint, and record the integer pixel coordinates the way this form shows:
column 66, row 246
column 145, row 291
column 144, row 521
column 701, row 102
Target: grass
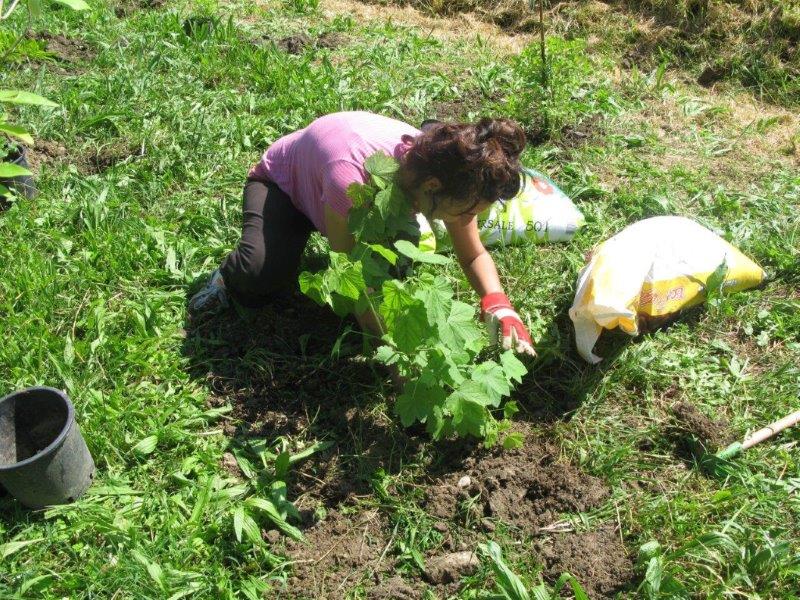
column 97, row 269
column 753, row 43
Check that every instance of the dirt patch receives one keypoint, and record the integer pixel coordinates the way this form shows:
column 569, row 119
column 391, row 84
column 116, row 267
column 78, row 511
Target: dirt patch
column 464, row 26
column 67, row 50
column 597, row 559
column 695, row 434
column 98, row 160
column 229, row 464
column 125, row 8
column 528, row 488
column 449, row 568
column 275, row 367
column 339, row 552
column 579, row 134
column 294, row 44
column 394, row 589
column 712, row 74
column 331, row 40
column 45, row 152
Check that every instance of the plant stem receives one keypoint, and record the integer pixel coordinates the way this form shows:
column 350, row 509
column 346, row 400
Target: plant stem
column 542, row 47
column 17, row 42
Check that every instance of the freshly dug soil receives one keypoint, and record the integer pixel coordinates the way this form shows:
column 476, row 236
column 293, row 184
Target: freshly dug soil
column 69, row 50
column 331, row 40
column 576, row 136
column 527, row 488
column 394, row 589
column 294, row 44
column 276, row 369
column 96, row 161
column 338, row 553
column 43, row 152
column 297, row 43
column 694, row 433
column 125, row 8
column 597, row 559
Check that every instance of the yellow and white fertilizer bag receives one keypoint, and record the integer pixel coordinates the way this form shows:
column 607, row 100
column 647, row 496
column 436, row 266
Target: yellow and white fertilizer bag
column 651, row 269
column 539, row 213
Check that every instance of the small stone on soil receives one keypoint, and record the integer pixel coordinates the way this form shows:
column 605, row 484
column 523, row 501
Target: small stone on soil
column 230, row 465
column 272, row 536
column 449, row 568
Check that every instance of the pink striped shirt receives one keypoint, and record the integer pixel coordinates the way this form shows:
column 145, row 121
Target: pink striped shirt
column 315, row 165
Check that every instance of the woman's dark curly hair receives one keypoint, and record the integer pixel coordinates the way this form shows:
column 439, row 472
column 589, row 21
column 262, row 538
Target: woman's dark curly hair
column 474, row 162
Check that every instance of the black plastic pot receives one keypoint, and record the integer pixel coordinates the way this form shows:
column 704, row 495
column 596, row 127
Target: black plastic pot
column 23, row 184
column 43, row 458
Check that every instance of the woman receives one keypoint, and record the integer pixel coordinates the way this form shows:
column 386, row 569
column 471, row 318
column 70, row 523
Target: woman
column 450, row 172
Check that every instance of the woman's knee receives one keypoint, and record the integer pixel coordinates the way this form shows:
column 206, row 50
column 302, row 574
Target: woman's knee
column 255, row 276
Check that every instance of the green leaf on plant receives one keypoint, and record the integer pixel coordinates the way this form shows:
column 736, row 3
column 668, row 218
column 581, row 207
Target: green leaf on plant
column 492, row 379
column 417, row 402
column 250, row 528
column 437, row 295
column 390, row 256
column 472, row 391
column 344, row 276
column 460, row 331
column 282, row 465
column 16, row 131
column 147, row 445
column 389, row 201
column 238, row 522
column 8, row 170
column 310, row 451
column 395, row 299
column 360, row 194
column 22, row 97
column 410, row 327
column 509, row 583
column 470, row 418
column 10, row 548
column 269, row 509
column 414, row 253
column 513, row 440
column 381, row 165
column 514, row 369
column 73, row 4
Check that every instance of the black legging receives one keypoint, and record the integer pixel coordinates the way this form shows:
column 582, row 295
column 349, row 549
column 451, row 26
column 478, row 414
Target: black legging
column 274, row 235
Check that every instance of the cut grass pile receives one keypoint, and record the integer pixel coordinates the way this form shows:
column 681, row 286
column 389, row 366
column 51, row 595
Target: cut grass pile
column 140, row 172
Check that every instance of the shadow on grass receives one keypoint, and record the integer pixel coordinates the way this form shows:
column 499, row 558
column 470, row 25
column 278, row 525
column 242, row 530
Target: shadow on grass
column 560, row 380
column 293, row 369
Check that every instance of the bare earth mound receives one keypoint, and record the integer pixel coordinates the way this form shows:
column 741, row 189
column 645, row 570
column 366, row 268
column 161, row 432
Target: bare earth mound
column 337, row 554
column 596, row 558
column 527, row 488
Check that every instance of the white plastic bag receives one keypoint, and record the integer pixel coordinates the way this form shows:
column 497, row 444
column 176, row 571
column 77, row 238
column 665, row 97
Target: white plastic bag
column 539, row 213
column 653, row 268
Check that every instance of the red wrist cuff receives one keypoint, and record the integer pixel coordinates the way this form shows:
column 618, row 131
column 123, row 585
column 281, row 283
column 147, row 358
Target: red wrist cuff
column 494, row 301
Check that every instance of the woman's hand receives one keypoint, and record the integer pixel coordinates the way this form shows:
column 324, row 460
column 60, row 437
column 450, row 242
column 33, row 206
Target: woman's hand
column 504, row 325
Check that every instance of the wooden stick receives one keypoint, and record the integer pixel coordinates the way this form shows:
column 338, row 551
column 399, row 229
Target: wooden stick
column 771, row 429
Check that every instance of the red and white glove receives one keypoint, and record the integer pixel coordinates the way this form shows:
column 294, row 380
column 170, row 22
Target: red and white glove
column 504, row 324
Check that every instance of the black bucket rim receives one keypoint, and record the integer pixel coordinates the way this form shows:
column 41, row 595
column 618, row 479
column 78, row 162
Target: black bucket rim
column 59, row 438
